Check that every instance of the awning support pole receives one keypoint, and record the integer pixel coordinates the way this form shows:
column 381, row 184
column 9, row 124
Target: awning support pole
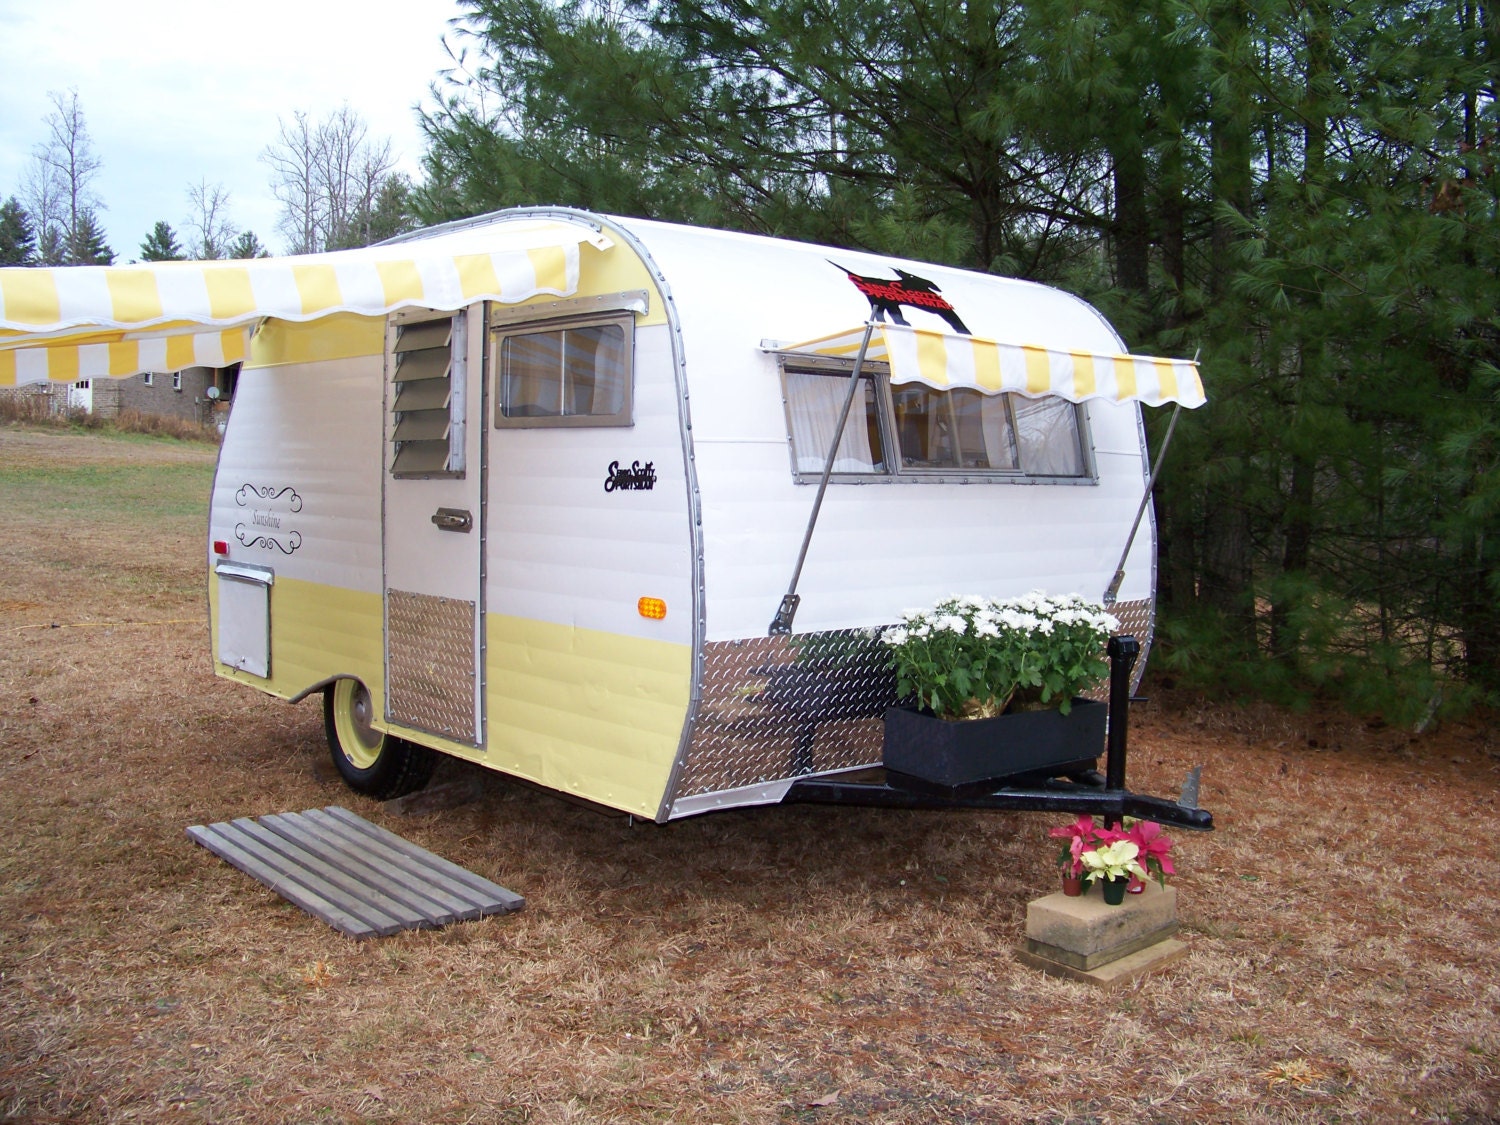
column 781, row 624
column 1113, row 593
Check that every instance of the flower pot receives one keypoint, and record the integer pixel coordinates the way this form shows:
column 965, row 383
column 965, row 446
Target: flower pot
column 1072, row 885
column 1114, row 891
column 953, row 754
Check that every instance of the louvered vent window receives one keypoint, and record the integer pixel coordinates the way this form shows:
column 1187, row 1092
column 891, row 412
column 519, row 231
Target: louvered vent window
column 427, row 381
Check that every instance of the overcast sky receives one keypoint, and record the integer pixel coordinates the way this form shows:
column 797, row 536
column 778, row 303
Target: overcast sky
column 174, row 93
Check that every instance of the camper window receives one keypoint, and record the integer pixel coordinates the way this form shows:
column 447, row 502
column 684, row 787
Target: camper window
column 958, row 429
column 926, row 431
column 571, row 374
column 814, row 399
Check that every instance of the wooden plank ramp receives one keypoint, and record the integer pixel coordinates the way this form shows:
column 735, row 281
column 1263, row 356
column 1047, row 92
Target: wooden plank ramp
column 360, row 879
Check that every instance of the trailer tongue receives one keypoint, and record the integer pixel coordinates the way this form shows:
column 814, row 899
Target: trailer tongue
column 1079, row 791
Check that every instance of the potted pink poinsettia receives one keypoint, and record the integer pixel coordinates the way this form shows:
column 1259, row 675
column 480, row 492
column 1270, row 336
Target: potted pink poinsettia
column 1152, row 852
column 1081, row 835
column 1119, row 859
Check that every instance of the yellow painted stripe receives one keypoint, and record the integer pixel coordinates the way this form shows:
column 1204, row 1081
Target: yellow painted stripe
column 399, row 281
column 1038, row 370
column 1084, row 381
column 133, row 295
column 7, row 369
column 1124, row 377
column 476, row 275
column 229, row 292
column 341, row 336
column 932, row 358
column 318, row 286
column 550, row 264
column 29, row 296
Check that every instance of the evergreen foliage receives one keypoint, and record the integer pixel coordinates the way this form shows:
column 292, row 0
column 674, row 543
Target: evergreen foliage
column 247, row 245
column 1304, row 193
column 161, row 245
column 17, row 236
column 87, row 247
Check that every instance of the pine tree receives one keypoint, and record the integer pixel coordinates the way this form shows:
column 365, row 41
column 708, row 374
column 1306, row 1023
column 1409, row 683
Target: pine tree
column 161, row 245
column 247, row 246
column 87, row 246
column 1307, row 193
column 17, row 239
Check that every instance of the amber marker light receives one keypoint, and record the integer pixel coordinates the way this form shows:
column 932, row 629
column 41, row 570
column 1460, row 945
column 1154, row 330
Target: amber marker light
column 653, row 609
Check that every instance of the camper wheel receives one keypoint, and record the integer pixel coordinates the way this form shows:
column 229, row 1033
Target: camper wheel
column 371, row 762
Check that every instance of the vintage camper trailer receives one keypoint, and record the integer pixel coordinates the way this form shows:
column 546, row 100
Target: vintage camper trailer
column 533, row 489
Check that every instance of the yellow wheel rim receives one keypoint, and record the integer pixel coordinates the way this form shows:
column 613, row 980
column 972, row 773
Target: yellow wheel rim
column 353, row 712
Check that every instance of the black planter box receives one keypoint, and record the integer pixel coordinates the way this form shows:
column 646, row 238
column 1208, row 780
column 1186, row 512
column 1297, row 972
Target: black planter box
column 961, row 754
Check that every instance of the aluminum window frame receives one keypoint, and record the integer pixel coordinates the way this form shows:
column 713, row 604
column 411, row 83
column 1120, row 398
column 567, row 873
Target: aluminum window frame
column 898, row 473
column 454, row 466
column 500, row 332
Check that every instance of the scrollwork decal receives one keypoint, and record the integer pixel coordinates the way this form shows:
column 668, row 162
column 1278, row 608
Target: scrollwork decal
column 267, row 542
column 270, row 493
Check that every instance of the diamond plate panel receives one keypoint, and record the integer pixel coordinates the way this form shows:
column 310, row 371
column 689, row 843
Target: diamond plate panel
column 780, row 707
column 1137, row 619
column 430, row 650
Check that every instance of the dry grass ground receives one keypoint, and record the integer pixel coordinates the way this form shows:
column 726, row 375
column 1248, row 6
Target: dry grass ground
column 796, row 964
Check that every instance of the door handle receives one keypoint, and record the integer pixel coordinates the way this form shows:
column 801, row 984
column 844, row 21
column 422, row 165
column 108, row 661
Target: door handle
column 453, row 519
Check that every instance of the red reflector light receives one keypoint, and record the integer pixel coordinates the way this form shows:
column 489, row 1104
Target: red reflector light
column 653, row 609
column 221, row 547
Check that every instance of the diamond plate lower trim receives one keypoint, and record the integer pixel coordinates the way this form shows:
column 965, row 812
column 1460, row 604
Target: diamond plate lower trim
column 430, row 651
column 1138, row 620
column 775, row 708
column 779, row 707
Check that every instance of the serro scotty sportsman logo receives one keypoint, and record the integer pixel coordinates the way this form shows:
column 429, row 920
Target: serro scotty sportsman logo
column 886, row 296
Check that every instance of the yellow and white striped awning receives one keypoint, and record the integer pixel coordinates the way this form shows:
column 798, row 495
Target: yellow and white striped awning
column 948, row 361
column 90, row 322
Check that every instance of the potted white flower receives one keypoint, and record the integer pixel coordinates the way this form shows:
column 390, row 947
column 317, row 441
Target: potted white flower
column 992, row 687
column 1113, row 864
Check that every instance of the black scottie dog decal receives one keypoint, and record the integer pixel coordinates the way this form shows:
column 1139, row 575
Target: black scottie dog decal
column 907, row 289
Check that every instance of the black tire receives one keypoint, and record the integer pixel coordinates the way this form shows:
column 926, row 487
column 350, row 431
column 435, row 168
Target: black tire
column 371, row 762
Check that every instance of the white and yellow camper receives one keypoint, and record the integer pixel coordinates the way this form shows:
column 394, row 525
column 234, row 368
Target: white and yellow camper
column 532, row 489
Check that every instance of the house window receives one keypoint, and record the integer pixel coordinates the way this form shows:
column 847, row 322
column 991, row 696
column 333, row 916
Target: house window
column 146, row 378
column 177, row 380
column 427, row 363
column 912, row 430
column 576, row 373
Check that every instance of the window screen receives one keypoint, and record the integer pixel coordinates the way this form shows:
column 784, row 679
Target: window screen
column 572, row 374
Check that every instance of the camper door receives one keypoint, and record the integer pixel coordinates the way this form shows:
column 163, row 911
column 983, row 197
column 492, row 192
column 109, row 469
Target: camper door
column 432, row 523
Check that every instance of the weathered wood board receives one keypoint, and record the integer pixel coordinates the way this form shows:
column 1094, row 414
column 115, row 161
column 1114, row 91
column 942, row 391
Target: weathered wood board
column 359, row 878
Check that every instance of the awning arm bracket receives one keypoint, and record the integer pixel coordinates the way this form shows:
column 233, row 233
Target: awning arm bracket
column 1111, row 595
column 781, row 624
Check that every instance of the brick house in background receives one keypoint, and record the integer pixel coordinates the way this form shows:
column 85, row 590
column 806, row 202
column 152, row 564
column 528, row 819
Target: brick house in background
column 181, row 394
